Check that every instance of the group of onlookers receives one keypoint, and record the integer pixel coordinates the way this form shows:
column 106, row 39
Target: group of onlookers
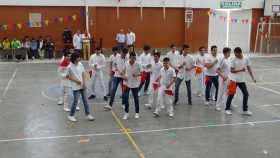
column 35, row 48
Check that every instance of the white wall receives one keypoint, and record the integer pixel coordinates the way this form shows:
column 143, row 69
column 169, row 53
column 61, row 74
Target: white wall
column 239, row 34
column 214, row 4
column 217, row 31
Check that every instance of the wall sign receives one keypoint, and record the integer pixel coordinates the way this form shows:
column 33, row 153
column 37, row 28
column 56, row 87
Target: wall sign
column 231, row 4
column 188, row 15
column 35, row 20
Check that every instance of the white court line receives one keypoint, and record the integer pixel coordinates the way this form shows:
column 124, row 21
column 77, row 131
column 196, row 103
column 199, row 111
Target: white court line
column 8, row 85
column 269, row 105
column 267, row 83
column 267, row 89
column 139, row 131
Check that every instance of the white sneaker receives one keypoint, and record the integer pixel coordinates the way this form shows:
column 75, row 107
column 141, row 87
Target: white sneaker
column 247, row 113
column 206, row 102
column 107, row 108
column 72, row 118
column 156, row 114
column 90, row 118
column 218, row 108
column 137, row 116
column 171, row 115
column 149, row 106
column 125, row 116
column 60, row 102
column 78, row 108
column 228, row 112
column 66, row 109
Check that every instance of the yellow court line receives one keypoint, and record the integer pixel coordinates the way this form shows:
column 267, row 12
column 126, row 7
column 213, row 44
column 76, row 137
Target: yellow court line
column 130, row 138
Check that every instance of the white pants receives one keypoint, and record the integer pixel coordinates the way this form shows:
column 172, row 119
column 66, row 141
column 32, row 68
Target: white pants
column 98, row 77
column 153, row 97
column 200, row 83
column 222, row 93
column 164, row 100
column 64, row 98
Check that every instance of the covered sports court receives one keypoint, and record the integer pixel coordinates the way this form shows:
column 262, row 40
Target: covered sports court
column 32, row 125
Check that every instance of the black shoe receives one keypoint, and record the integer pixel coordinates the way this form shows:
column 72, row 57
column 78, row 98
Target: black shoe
column 190, row 103
column 108, row 95
column 105, row 98
column 91, row 97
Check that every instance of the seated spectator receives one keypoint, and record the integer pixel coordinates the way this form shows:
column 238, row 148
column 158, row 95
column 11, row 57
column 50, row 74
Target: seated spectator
column 34, row 48
column 41, row 44
column 26, row 44
column 6, row 43
column 16, row 44
column 49, row 48
column 1, row 46
column 67, row 36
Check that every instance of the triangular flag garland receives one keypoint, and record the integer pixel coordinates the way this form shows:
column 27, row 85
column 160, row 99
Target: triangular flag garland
column 237, row 20
column 43, row 23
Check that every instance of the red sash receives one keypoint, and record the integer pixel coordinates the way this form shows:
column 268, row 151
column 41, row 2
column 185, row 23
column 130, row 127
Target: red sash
column 232, row 88
column 144, row 76
column 169, row 92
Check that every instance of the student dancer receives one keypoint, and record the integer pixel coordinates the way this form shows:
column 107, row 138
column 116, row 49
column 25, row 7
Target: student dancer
column 223, row 71
column 166, row 80
column 146, row 65
column 118, row 77
column 180, row 73
column 156, row 67
column 77, row 76
column 113, row 61
column 238, row 66
column 97, row 62
column 211, row 76
column 65, row 83
column 131, row 83
column 199, row 71
column 189, row 71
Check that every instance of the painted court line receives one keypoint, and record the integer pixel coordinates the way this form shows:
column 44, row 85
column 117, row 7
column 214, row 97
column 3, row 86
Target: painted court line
column 130, row 138
column 8, row 85
column 140, row 131
column 267, row 89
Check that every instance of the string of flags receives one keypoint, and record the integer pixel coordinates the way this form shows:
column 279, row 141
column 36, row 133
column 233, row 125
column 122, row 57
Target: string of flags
column 230, row 19
column 46, row 22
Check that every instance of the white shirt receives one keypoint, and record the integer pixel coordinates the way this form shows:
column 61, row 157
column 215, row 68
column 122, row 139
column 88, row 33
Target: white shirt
column 174, row 58
column 224, row 66
column 77, row 41
column 76, row 71
column 120, row 66
column 181, row 71
column 189, row 63
column 145, row 60
column 239, row 64
column 156, row 67
column 98, row 60
column 200, row 61
column 113, row 59
column 120, row 38
column 41, row 43
column 130, row 70
column 63, row 72
column 213, row 70
column 167, row 76
column 130, row 38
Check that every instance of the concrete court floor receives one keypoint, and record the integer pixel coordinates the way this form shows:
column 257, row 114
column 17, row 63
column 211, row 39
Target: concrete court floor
column 33, row 126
